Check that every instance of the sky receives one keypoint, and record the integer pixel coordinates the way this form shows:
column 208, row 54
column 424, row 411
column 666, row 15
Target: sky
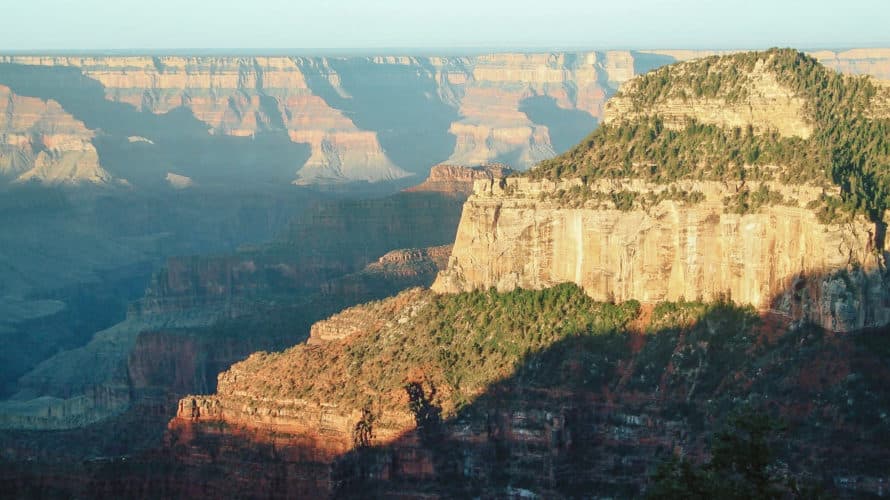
column 71, row 25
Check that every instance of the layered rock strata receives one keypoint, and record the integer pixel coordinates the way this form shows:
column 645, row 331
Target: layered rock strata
column 768, row 106
column 662, row 226
column 589, row 412
column 781, row 258
column 457, row 179
column 516, row 108
column 41, row 141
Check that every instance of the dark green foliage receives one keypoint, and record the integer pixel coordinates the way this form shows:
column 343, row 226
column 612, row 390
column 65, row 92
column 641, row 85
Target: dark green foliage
column 465, row 342
column 847, row 148
column 746, row 201
column 646, row 149
column 363, row 432
column 703, row 342
column 427, row 415
column 742, row 466
column 481, row 334
column 623, row 200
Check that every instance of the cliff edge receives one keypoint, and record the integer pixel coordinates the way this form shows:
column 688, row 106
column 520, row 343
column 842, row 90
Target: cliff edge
column 756, row 176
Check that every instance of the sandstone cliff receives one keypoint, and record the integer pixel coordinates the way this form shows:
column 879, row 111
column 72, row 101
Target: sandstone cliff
column 781, row 258
column 41, row 141
column 871, row 61
column 515, row 108
column 559, row 388
column 458, row 180
column 682, row 228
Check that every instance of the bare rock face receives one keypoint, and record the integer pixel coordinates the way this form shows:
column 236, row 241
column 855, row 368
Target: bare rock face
column 338, row 253
column 872, row 61
column 241, row 97
column 781, row 258
column 620, row 237
column 494, row 126
column 458, row 179
column 513, row 108
column 40, row 141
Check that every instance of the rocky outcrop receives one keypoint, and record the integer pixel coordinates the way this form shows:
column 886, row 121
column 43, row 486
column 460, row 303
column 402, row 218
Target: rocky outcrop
column 513, row 108
column 494, row 125
column 317, row 267
column 456, row 179
column 588, row 411
column 178, row 336
column 395, row 270
column 241, row 97
column 40, row 141
column 308, row 433
column 781, row 258
column 768, row 105
column 575, row 413
column 661, row 227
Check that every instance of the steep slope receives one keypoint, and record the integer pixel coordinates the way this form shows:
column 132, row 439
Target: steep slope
column 241, row 97
column 72, row 257
column 760, row 176
column 42, row 142
column 871, row 61
column 497, row 122
column 324, row 260
column 336, row 119
column 547, row 391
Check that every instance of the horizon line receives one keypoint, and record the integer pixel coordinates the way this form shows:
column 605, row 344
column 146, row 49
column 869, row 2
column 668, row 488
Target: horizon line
column 412, row 51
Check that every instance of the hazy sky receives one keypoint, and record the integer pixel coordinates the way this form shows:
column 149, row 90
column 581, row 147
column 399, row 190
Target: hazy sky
column 258, row 24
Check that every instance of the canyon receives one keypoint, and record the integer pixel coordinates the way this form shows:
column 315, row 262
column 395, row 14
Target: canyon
column 335, row 254
column 580, row 415
column 123, row 120
column 623, row 238
column 679, row 304
column 490, row 385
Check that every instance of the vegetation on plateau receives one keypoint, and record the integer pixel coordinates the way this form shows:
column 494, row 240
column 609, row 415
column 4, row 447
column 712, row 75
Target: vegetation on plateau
column 848, row 148
column 580, row 382
column 460, row 343
column 456, row 346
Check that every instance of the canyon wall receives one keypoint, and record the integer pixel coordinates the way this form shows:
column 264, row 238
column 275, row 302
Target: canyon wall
column 42, row 141
column 311, row 120
column 519, row 234
column 172, row 346
column 588, row 412
column 336, row 253
column 644, row 222
column 72, row 258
